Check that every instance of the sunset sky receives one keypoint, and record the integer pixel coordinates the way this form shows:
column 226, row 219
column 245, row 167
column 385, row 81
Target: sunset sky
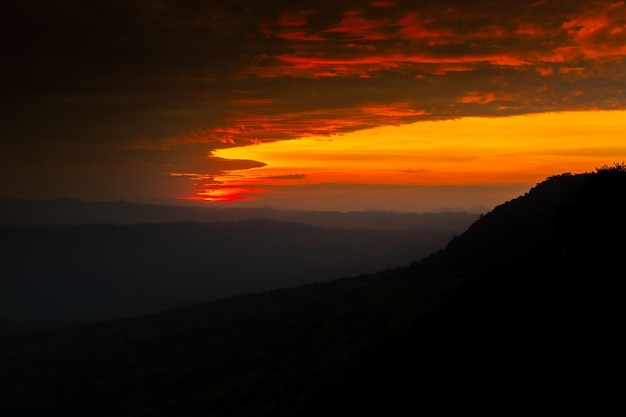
column 343, row 105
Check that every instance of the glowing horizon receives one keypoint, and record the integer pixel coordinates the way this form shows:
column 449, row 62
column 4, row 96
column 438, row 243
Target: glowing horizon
column 396, row 93
column 522, row 149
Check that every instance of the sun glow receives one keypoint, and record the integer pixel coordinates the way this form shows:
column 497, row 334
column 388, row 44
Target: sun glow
column 467, row 151
column 222, row 194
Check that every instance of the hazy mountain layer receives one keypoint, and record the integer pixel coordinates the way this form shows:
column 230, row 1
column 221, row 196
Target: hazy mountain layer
column 95, row 272
column 66, row 212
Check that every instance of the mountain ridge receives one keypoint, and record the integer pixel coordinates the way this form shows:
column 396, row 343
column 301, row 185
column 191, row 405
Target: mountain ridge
column 453, row 330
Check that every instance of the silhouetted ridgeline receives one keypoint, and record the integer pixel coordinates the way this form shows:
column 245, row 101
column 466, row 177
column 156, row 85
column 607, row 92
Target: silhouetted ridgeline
column 523, row 312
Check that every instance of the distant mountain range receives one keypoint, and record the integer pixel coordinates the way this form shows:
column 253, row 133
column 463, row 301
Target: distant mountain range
column 520, row 313
column 65, row 212
column 97, row 272
column 74, row 261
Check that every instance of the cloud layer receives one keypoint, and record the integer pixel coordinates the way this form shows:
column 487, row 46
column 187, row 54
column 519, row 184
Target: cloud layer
column 157, row 86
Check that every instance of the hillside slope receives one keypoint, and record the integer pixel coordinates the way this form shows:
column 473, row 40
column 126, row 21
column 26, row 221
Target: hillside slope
column 531, row 322
column 522, row 311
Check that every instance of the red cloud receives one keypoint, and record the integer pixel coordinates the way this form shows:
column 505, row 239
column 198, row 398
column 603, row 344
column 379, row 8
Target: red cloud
column 368, row 64
column 596, row 32
column 355, row 26
column 383, row 3
column 293, row 18
column 396, row 111
column 412, row 27
column 299, row 35
column 475, row 97
column 405, row 38
column 545, row 70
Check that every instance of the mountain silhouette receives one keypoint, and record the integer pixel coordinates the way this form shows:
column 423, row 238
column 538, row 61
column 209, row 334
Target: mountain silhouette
column 522, row 312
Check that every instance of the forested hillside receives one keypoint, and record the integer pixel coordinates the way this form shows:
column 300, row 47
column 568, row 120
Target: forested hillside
column 521, row 312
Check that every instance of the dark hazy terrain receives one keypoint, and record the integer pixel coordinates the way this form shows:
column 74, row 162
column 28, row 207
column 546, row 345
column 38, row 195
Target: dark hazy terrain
column 74, row 261
column 522, row 312
column 96, row 272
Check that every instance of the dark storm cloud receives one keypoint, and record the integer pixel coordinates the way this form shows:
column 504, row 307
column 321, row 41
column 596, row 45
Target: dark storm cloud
column 181, row 78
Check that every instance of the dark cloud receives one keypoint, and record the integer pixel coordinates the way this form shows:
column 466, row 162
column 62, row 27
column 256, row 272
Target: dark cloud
column 179, row 79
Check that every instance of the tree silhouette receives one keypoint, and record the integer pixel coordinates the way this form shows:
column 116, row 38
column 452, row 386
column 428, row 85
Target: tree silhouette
column 616, row 168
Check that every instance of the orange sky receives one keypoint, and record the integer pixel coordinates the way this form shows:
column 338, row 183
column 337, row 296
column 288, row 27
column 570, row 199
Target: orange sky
column 481, row 151
column 162, row 100
column 514, row 149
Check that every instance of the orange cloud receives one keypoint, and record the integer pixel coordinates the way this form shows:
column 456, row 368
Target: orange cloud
column 397, row 112
column 475, row 97
column 294, row 125
column 545, row 70
column 256, row 128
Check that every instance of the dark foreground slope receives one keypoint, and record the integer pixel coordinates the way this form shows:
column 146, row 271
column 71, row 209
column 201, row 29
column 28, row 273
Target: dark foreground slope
column 532, row 320
column 522, row 312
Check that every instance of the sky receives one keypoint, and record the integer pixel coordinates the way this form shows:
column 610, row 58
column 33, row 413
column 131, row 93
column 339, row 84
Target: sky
column 329, row 105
